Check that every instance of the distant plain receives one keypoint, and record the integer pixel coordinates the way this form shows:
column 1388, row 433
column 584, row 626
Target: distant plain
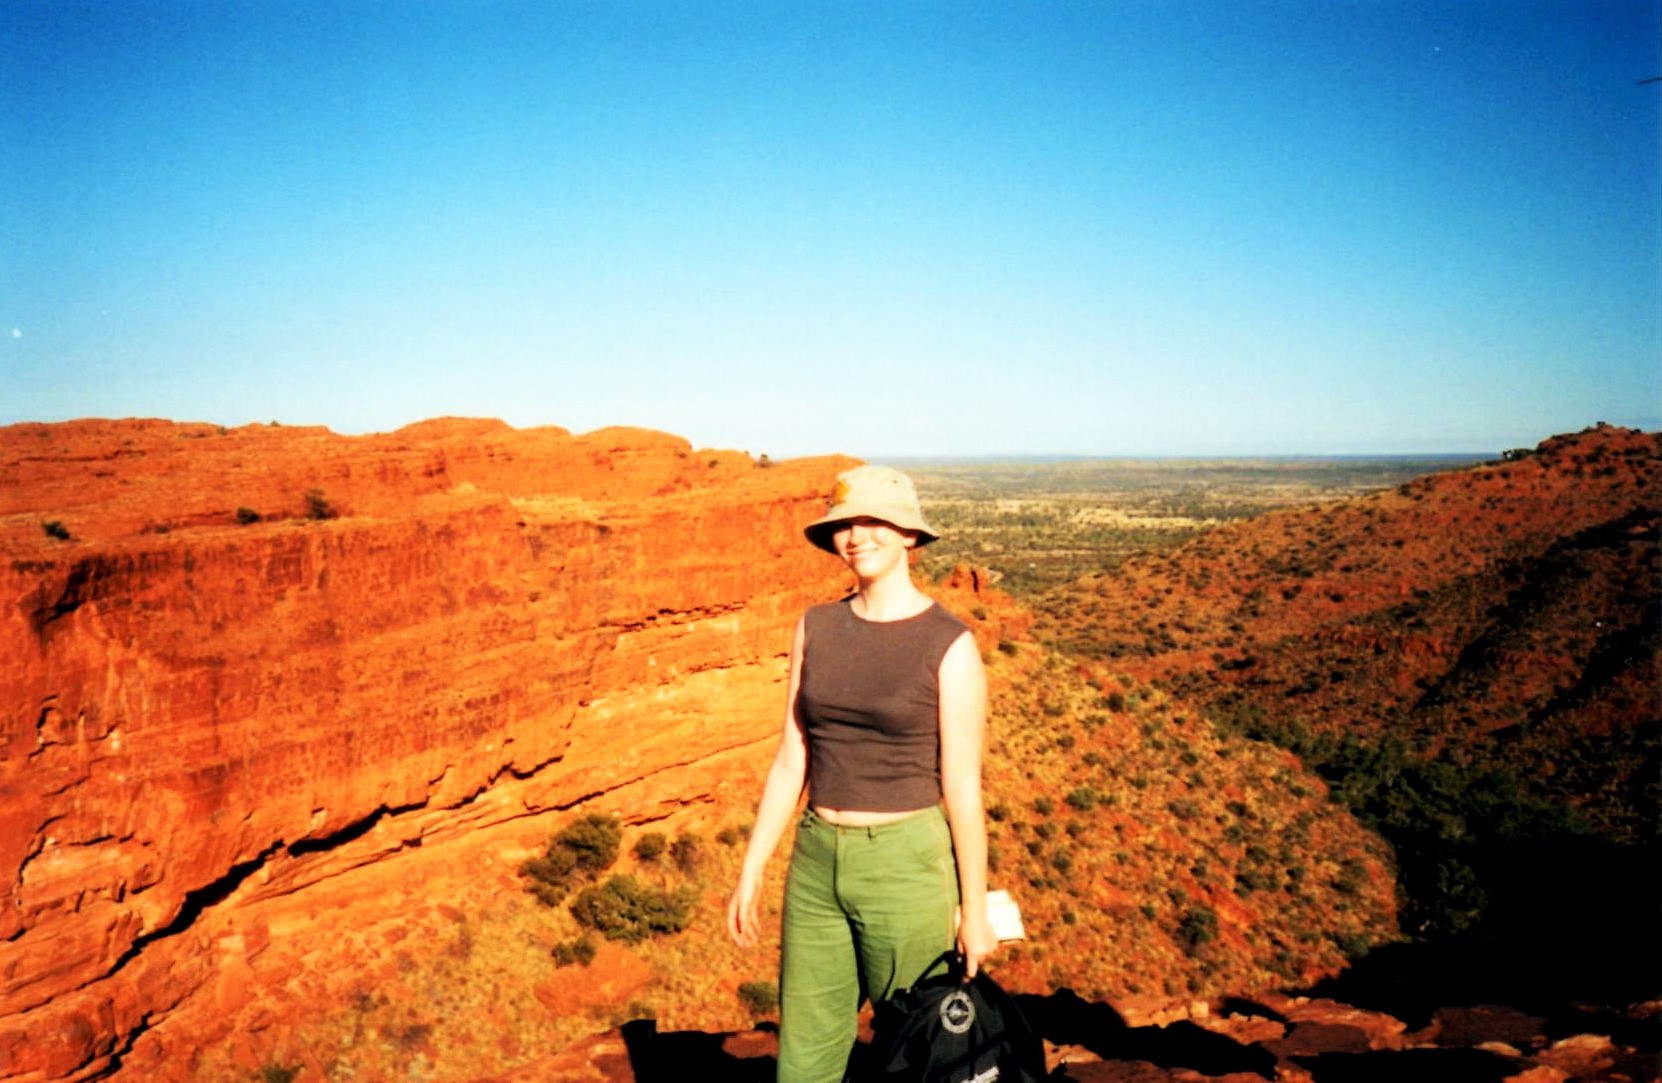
column 1038, row 523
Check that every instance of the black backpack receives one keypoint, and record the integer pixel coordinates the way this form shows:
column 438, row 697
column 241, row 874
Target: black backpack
column 948, row 1030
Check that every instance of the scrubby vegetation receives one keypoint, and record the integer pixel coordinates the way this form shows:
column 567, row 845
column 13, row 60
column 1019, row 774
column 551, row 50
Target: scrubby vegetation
column 760, row 998
column 1467, row 660
column 319, row 506
column 624, row 908
column 577, row 853
column 1178, row 861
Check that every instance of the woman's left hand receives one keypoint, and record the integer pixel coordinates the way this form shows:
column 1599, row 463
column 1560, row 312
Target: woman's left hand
column 976, row 941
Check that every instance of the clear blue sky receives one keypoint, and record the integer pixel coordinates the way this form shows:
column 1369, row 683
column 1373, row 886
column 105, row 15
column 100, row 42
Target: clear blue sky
column 882, row 228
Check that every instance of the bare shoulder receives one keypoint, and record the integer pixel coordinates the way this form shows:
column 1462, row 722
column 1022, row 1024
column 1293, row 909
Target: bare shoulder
column 962, row 660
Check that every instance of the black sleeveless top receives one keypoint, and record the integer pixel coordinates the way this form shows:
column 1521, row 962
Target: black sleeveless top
column 869, row 704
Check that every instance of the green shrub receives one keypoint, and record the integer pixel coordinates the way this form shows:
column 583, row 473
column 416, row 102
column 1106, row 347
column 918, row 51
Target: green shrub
column 650, row 846
column 580, row 951
column 577, row 852
column 759, row 997
column 1197, row 927
column 1354, row 945
column 625, row 909
column 1083, row 799
column 549, row 876
column 318, row 506
column 593, row 841
column 688, row 852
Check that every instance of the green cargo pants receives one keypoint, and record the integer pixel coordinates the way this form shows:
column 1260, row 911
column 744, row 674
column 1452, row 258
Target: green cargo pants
column 867, row 910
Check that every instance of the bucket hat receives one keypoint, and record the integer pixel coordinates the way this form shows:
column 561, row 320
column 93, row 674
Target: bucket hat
column 871, row 492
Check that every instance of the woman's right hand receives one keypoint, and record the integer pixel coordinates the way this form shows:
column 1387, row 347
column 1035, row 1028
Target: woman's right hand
column 744, row 911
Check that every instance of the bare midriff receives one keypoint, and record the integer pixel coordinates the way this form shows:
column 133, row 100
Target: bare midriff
column 843, row 817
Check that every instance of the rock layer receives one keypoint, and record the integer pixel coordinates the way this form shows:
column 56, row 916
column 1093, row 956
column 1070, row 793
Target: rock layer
column 264, row 657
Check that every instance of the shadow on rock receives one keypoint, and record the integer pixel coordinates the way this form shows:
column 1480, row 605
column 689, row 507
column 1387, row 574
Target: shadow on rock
column 682, row 1055
column 1419, row 1065
column 1065, row 1018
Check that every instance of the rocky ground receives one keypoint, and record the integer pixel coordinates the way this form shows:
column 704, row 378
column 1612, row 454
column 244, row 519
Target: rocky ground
column 1286, row 1039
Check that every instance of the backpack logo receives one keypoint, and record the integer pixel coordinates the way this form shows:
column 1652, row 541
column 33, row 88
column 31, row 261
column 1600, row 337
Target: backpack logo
column 957, row 1012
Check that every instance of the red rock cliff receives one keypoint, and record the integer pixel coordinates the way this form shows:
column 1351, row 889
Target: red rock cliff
column 425, row 633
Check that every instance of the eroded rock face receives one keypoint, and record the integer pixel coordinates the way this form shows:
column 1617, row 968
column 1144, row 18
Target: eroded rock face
column 264, row 657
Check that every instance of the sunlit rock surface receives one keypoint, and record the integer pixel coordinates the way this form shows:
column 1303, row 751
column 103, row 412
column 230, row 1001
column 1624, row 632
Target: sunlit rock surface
column 242, row 664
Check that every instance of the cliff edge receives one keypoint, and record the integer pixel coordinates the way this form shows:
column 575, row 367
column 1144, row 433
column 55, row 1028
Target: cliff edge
column 244, row 663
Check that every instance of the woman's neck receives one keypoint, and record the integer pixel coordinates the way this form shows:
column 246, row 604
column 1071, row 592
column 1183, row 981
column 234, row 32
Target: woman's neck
column 891, row 597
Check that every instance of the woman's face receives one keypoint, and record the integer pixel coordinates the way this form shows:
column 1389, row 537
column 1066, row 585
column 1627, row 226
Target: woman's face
column 872, row 547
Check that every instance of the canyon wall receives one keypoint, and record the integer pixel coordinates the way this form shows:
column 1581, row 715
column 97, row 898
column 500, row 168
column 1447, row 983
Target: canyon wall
column 239, row 664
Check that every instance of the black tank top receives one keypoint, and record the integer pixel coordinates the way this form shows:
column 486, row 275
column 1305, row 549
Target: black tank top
column 869, row 703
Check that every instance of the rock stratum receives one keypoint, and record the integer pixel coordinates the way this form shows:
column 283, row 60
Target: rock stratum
column 243, row 667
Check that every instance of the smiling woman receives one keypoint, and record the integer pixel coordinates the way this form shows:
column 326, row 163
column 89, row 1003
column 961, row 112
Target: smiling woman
column 884, row 728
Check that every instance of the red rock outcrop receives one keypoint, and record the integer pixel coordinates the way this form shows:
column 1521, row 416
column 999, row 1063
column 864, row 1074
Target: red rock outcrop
column 241, row 664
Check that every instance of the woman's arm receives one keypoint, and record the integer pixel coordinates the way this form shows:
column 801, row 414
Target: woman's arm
column 780, row 794
column 963, row 697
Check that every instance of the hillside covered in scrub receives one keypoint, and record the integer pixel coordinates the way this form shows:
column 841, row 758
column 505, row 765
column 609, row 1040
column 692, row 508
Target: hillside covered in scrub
column 1470, row 660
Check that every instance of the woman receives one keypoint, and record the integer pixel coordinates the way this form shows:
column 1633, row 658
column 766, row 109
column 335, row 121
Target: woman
column 883, row 726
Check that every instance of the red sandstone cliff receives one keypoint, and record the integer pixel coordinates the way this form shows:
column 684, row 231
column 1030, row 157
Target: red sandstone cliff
column 203, row 714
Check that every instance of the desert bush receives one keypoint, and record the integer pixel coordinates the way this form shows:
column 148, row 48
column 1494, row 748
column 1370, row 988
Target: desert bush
column 546, row 891
column 1196, row 927
column 1082, row 799
column 625, row 909
column 318, row 505
column 247, row 516
column 55, row 529
column 593, row 841
column 650, row 846
column 1184, row 808
column 580, row 950
column 687, row 851
column 759, row 997
column 579, row 850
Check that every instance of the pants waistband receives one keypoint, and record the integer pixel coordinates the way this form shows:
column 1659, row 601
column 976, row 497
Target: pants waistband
column 812, row 819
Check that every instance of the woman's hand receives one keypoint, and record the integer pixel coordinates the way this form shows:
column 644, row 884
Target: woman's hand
column 744, row 911
column 976, row 941
column 780, row 794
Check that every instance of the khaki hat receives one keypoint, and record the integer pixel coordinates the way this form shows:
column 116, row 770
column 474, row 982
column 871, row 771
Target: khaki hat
column 871, row 492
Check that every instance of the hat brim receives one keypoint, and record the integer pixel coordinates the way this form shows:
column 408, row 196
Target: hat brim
column 820, row 530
